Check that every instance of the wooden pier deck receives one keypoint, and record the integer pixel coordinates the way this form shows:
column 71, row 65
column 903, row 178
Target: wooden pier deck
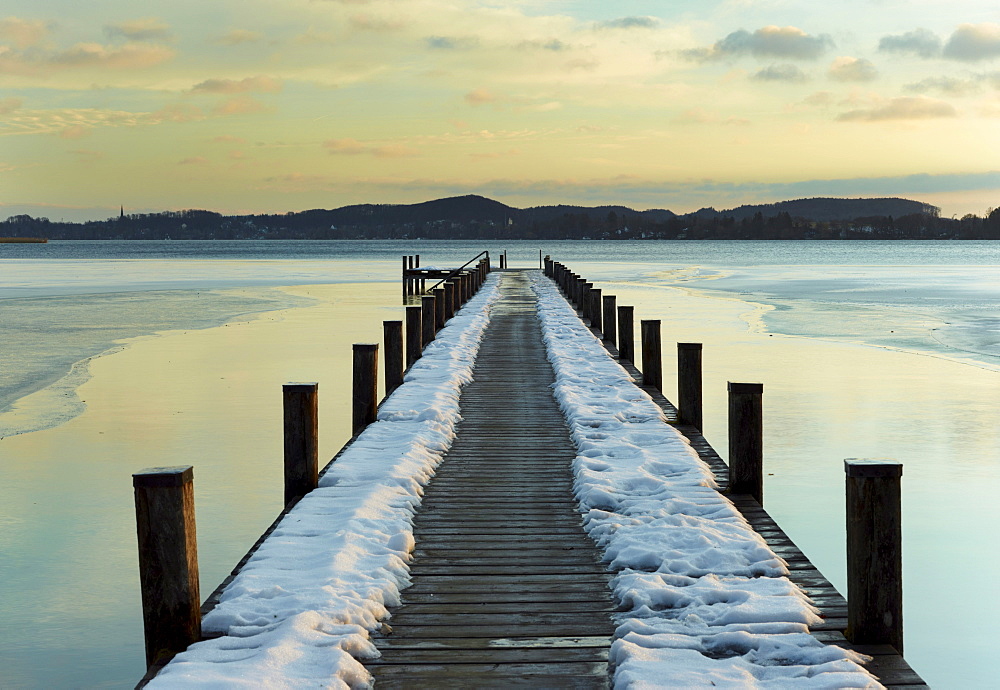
column 507, row 588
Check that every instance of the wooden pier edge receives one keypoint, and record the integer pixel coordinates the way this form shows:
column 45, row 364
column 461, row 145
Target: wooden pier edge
column 213, row 599
column 887, row 664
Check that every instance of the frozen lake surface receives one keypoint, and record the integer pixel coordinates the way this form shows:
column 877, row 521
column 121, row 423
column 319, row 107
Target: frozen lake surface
column 865, row 348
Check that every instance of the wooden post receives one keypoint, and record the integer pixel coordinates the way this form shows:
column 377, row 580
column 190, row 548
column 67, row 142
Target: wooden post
column 414, row 333
column 689, row 384
column 393, row 354
column 300, row 402
column 595, row 310
column 439, row 308
column 405, row 285
column 626, row 334
column 874, row 553
column 449, row 300
column 428, row 318
column 652, row 365
column 746, row 439
column 610, row 322
column 365, row 398
column 168, row 560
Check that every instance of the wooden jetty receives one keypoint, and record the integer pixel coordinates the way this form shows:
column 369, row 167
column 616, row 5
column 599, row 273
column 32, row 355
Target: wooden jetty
column 507, row 589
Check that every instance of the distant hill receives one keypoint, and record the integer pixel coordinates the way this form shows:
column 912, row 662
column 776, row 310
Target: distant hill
column 827, row 209
column 474, row 217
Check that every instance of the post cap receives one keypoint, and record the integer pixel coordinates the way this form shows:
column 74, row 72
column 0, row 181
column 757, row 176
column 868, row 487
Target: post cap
column 650, row 321
column 873, row 468
column 746, row 388
column 609, row 298
column 300, row 387
column 688, row 346
column 364, row 347
column 157, row 477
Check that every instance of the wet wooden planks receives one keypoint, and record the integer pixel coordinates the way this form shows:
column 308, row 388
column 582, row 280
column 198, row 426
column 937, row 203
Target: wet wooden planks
column 507, row 588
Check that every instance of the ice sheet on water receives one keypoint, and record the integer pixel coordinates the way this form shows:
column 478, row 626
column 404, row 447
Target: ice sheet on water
column 704, row 601
column 301, row 609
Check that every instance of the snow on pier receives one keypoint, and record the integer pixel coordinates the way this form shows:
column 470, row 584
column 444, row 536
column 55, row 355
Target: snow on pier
column 523, row 513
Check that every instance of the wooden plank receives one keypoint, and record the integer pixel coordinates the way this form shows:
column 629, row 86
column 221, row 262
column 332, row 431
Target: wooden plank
column 494, row 655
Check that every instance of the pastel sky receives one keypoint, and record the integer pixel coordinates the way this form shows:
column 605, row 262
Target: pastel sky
column 251, row 106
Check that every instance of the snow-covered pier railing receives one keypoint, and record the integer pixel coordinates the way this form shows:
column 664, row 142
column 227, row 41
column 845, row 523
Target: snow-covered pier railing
column 710, row 586
column 299, row 608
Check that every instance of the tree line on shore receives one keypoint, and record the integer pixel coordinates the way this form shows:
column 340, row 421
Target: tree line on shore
column 478, row 218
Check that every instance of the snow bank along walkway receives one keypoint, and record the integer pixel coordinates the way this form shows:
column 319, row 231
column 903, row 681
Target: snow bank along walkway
column 507, row 588
column 709, row 591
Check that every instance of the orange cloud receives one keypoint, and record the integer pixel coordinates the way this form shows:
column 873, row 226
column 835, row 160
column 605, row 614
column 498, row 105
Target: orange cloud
column 241, row 105
column 75, row 132
column 480, row 97
column 23, row 33
column 9, row 105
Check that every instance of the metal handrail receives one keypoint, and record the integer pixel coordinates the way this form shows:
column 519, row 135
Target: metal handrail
column 459, row 269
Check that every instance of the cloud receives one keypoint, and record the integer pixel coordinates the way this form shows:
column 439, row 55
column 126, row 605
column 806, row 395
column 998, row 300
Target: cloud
column 345, row 147
column 852, row 69
column 628, row 23
column 771, row 41
column 951, row 86
column 239, row 36
column 129, row 56
column 480, row 97
column 88, row 156
column 149, row 29
column 819, row 98
column 698, row 116
column 23, row 33
column 785, row 72
column 904, row 108
column 240, row 105
column 496, row 154
column 259, row 84
column 452, row 42
column 972, row 42
column 353, row 147
column 9, row 105
column 229, row 139
column 552, row 44
column 75, row 132
column 193, row 160
column 920, row 42
column 368, row 22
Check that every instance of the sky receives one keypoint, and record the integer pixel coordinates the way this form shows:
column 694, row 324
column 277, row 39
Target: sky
column 243, row 106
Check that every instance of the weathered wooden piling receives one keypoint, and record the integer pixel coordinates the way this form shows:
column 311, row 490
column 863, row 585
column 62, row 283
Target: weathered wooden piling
column 608, row 320
column 392, row 332
column 449, row 300
column 594, row 310
column 365, row 389
column 689, row 394
column 168, row 560
column 746, row 439
column 301, row 405
column 652, row 365
column 414, row 333
column 626, row 333
column 874, row 553
column 428, row 318
column 439, row 308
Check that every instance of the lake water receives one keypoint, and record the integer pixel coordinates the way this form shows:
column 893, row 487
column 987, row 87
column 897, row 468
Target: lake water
column 866, row 349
